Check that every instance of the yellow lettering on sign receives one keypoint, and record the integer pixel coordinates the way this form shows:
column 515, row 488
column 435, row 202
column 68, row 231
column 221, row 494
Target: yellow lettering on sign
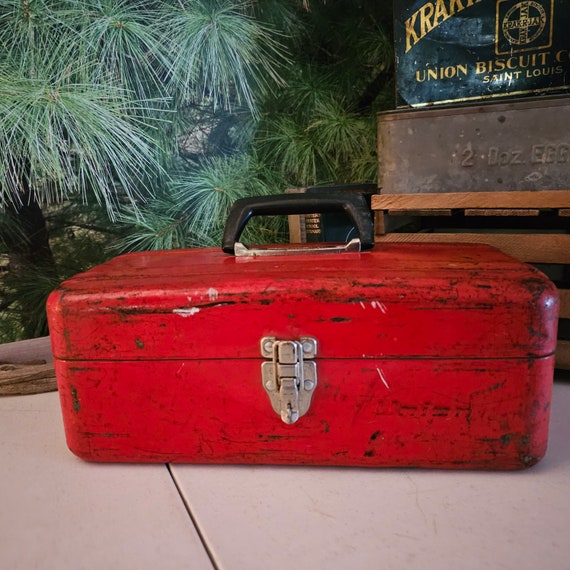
column 411, row 32
column 480, row 67
column 438, row 73
column 441, row 13
column 429, row 16
column 514, row 62
column 455, row 6
column 426, row 12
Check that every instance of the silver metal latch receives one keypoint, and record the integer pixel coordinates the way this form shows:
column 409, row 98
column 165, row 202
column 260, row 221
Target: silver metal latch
column 290, row 376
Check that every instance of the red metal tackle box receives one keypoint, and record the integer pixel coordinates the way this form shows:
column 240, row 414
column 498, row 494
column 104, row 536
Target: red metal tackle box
column 430, row 355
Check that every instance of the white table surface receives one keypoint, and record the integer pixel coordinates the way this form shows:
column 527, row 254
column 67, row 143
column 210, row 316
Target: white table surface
column 57, row 511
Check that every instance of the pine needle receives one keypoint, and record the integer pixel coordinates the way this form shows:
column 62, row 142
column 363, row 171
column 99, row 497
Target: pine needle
column 221, row 53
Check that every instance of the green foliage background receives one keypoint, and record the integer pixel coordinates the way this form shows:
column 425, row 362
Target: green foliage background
column 135, row 124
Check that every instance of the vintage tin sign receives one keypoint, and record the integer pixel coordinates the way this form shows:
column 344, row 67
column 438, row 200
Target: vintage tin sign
column 453, row 51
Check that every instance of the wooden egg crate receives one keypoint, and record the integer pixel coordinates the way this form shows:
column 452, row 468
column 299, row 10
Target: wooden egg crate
column 529, row 225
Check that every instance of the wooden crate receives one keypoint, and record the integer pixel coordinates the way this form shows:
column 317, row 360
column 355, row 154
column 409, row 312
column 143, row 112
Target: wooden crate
column 545, row 246
column 26, row 367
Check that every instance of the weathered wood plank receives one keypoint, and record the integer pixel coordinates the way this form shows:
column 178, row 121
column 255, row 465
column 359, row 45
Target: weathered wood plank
column 563, row 354
column 26, row 367
column 296, row 229
column 564, row 303
column 19, row 379
column 533, row 248
column 505, row 212
column 429, row 212
column 490, row 200
column 379, row 223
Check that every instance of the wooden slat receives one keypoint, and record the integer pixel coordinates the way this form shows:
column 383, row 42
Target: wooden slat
column 432, row 212
column 564, row 213
column 563, row 354
column 534, row 248
column 19, row 379
column 26, row 367
column 296, row 228
column 379, row 222
column 518, row 212
column 540, row 199
column 564, row 303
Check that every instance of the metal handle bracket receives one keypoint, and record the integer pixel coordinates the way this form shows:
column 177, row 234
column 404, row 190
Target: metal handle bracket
column 240, row 250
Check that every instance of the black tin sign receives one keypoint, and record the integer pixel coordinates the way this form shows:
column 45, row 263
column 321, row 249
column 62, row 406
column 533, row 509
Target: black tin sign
column 453, row 51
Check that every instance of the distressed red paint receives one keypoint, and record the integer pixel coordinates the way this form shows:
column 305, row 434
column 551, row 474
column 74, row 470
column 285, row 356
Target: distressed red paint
column 432, row 355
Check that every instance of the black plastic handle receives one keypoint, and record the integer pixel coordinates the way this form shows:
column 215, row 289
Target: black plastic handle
column 354, row 205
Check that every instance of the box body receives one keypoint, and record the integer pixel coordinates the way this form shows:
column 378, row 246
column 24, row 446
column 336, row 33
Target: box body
column 470, row 50
column 521, row 145
column 434, row 356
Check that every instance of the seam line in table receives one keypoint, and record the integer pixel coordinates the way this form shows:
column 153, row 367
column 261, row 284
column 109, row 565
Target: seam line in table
column 192, row 518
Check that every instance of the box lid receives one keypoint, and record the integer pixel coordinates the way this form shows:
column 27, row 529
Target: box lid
column 395, row 301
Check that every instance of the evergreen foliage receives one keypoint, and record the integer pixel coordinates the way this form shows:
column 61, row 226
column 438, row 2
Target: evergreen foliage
column 135, row 124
